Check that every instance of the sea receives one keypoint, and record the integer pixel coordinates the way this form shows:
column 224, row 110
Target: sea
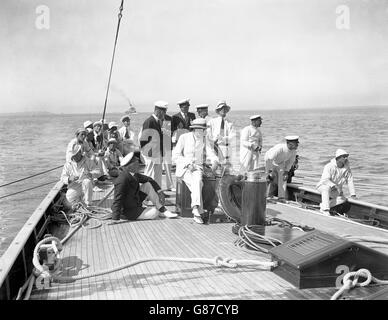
column 36, row 142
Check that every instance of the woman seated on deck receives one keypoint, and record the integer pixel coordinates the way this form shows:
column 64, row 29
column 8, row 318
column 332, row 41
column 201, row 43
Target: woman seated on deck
column 130, row 190
column 112, row 158
column 78, row 174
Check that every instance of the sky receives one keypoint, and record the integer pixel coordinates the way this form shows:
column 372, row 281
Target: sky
column 255, row 54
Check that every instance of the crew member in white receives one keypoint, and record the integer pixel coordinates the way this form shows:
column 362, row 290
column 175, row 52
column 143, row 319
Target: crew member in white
column 78, row 174
column 193, row 154
column 127, row 135
column 335, row 174
column 221, row 133
column 278, row 161
column 251, row 145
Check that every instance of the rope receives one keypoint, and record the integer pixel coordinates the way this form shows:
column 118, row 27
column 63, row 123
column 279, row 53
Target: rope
column 113, row 56
column 34, row 175
column 217, row 261
column 13, row 194
column 349, row 284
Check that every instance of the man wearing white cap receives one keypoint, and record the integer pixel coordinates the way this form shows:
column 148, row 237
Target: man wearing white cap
column 78, row 174
column 88, row 125
column 203, row 112
column 127, row 135
column 112, row 157
column 151, row 142
column 335, row 174
column 130, row 190
column 251, row 143
column 181, row 121
column 80, row 135
column 278, row 161
column 221, row 132
column 193, row 154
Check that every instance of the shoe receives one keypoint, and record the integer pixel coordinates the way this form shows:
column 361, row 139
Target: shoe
column 282, row 200
column 172, row 189
column 148, row 203
column 168, row 214
column 325, row 212
column 198, row 219
column 196, row 212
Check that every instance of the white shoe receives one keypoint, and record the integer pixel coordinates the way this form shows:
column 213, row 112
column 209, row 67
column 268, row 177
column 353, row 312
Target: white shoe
column 168, row 214
column 198, row 219
column 325, row 212
column 196, row 212
column 148, row 203
column 173, row 190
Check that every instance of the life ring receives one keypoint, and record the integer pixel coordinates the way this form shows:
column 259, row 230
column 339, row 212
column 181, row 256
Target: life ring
column 229, row 192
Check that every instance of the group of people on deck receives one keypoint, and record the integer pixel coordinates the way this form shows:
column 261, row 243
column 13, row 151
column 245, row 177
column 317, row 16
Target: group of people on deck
column 197, row 145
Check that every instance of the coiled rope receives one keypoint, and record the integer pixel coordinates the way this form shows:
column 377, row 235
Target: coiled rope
column 348, row 283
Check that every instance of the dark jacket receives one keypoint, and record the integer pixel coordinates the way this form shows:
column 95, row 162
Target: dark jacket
column 151, row 123
column 178, row 122
column 128, row 198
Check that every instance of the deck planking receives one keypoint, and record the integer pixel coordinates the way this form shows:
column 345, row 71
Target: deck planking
column 91, row 250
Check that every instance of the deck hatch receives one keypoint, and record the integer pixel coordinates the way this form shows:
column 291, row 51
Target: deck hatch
column 310, row 244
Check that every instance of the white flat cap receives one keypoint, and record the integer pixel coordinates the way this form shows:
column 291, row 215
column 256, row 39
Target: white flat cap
column 183, row 101
column 125, row 117
column 341, row 152
column 292, row 138
column 256, row 116
column 88, row 123
column 198, row 123
column 202, row 106
column 112, row 124
column 161, row 104
column 126, row 159
column 97, row 123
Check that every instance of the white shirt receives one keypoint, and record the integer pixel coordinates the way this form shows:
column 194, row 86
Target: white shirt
column 189, row 150
column 251, row 135
column 132, row 137
column 215, row 130
column 332, row 175
column 80, row 170
column 280, row 156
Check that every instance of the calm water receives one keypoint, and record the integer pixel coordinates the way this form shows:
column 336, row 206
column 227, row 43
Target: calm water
column 32, row 144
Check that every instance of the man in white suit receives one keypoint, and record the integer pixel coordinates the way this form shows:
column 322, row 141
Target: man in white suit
column 193, row 154
column 251, row 144
column 221, row 133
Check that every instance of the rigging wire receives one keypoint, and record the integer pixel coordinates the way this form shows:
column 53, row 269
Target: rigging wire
column 34, row 175
column 12, row 194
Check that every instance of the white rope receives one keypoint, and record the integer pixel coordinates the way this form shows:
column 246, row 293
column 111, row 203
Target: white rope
column 349, row 284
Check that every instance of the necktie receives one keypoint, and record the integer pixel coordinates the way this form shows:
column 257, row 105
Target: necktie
column 126, row 133
column 222, row 133
column 204, row 150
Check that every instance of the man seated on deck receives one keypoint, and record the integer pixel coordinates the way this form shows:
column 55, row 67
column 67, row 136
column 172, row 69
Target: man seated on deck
column 335, row 174
column 130, row 190
column 192, row 155
column 278, row 161
column 80, row 135
column 78, row 174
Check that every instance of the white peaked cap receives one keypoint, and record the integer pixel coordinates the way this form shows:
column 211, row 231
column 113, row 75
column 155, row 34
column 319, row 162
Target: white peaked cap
column 126, row 159
column 161, row 104
column 291, row 138
column 256, row 116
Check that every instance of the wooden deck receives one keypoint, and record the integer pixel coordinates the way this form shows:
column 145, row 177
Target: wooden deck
column 92, row 250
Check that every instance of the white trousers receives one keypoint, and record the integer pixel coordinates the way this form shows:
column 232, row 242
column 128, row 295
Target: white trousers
column 249, row 160
column 80, row 191
column 278, row 180
column 329, row 197
column 153, row 169
column 194, row 182
column 150, row 212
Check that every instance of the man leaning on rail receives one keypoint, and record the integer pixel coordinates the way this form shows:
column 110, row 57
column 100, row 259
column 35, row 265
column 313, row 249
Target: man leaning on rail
column 78, row 174
column 130, row 190
column 335, row 174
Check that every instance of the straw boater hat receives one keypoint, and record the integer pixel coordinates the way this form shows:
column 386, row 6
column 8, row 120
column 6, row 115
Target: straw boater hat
column 112, row 125
column 256, row 116
column 125, row 117
column 183, row 102
column 221, row 105
column 88, row 124
column 202, row 106
column 126, row 159
column 198, row 123
column 161, row 104
column 341, row 152
column 292, row 138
